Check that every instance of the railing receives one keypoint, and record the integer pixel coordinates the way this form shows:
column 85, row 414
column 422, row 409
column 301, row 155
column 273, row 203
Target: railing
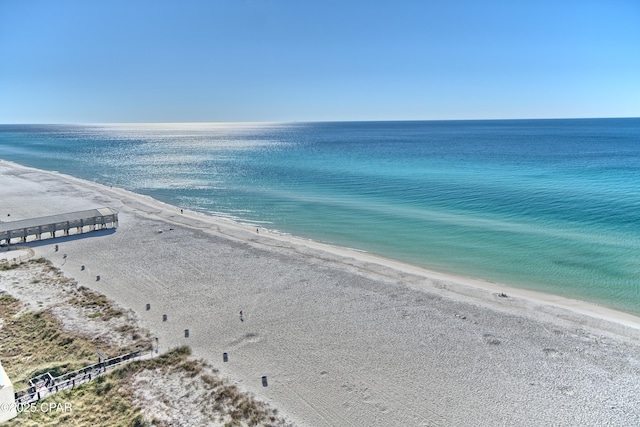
column 5, row 259
column 70, row 380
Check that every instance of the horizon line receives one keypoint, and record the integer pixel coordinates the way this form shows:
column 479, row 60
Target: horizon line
column 318, row 121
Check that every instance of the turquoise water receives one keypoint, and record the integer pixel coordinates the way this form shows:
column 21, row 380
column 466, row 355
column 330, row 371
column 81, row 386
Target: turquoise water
column 550, row 205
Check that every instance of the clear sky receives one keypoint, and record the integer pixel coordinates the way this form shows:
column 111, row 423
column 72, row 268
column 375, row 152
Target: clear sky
column 280, row 60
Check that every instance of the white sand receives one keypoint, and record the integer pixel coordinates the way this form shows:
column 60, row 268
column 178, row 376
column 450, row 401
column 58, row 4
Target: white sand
column 344, row 337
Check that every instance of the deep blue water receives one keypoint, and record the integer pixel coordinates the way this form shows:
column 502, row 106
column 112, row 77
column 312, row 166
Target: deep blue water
column 550, row 205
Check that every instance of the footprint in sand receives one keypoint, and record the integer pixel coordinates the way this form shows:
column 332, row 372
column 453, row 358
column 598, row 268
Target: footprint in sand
column 248, row 338
column 491, row 339
column 551, row 352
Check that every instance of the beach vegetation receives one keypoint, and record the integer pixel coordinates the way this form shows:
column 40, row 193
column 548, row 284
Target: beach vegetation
column 7, row 266
column 85, row 297
column 36, row 342
column 110, row 399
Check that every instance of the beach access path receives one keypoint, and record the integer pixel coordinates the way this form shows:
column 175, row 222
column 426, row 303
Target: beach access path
column 343, row 337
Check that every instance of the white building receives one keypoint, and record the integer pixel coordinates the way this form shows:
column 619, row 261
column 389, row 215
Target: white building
column 7, row 397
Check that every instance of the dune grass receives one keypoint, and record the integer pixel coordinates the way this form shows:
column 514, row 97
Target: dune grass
column 102, row 402
column 109, row 400
column 34, row 342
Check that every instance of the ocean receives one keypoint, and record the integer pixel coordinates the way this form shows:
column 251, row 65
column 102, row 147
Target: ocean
column 548, row 205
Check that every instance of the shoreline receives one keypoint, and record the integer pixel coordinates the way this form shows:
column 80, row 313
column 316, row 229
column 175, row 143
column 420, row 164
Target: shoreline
column 345, row 337
column 356, row 258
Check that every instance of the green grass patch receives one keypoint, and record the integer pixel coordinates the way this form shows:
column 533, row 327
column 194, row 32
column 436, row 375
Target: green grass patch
column 34, row 342
column 6, row 267
column 85, row 297
column 105, row 401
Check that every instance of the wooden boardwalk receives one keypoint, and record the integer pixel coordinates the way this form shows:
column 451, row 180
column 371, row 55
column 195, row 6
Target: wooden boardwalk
column 45, row 385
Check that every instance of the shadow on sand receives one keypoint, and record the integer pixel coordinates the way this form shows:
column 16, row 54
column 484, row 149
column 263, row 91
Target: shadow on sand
column 64, row 239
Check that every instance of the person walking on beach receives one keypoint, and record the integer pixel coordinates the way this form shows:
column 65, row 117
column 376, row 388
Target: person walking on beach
column 241, row 318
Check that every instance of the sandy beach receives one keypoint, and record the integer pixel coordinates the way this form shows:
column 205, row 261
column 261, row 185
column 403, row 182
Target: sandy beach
column 343, row 337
